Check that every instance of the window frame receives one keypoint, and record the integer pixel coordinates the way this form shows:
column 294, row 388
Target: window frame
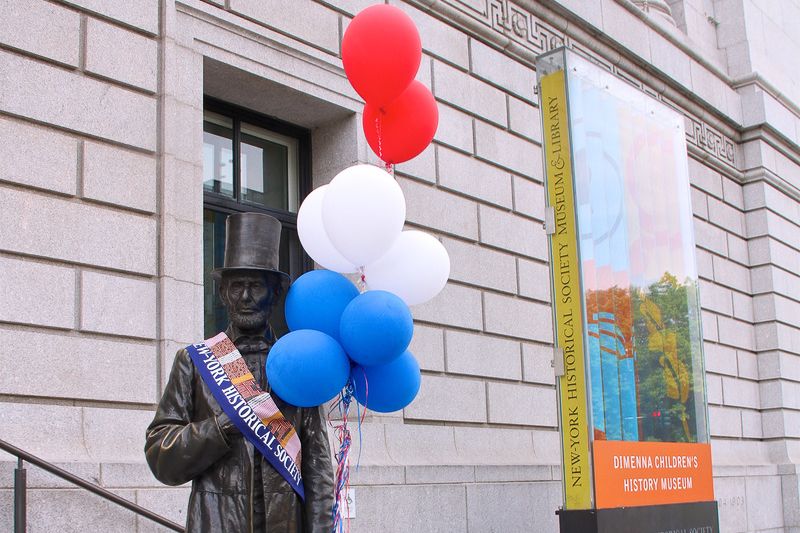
column 299, row 260
column 236, row 204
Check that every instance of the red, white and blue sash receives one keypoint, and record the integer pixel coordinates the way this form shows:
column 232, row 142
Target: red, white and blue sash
column 252, row 410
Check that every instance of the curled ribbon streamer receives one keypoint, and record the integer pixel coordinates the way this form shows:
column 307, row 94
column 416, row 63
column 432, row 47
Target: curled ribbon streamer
column 380, row 137
column 362, row 280
column 388, row 166
column 341, row 506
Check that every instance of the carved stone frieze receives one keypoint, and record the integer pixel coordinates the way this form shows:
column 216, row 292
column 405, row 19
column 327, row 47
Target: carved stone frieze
column 702, row 135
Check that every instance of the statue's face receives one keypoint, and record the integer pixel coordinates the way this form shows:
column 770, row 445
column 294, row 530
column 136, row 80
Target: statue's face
column 248, row 296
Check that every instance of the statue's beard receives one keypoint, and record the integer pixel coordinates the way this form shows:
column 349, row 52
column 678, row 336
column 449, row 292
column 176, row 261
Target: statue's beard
column 249, row 321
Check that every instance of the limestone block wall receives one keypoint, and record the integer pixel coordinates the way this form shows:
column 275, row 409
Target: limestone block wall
column 101, row 258
column 80, row 257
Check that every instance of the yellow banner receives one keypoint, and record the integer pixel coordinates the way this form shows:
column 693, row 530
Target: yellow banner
column 567, row 293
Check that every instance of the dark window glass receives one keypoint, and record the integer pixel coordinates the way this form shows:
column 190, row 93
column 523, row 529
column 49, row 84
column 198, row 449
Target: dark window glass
column 269, row 168
column 213, row 257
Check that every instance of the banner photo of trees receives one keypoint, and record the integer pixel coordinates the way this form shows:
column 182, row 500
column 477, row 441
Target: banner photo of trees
column 636, row 250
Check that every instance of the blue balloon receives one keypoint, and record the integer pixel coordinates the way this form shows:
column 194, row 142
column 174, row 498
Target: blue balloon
column 307, row 368
column 376, row 327
column 316, row 301
column 389, row 387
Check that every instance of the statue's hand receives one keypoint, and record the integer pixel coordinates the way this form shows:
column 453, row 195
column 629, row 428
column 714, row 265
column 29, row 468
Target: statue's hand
column 227, row 427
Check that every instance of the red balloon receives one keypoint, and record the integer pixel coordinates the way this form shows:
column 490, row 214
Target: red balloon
column 381, row 52
column 403, row 128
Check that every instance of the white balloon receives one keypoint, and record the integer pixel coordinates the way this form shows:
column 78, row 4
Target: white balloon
column 313, row 237
column 415, row 268
column 363, row 212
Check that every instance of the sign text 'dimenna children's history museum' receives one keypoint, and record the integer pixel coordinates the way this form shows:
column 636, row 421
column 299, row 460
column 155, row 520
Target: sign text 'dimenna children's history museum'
column 627, row 318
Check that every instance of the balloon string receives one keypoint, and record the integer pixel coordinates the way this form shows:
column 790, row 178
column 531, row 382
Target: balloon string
column 361, row 416
column 380, row 136
column 340, row 512
column 362, row 280
column 388, row 166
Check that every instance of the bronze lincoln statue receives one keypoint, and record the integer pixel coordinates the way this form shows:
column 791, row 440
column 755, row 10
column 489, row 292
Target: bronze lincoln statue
column 235, row 488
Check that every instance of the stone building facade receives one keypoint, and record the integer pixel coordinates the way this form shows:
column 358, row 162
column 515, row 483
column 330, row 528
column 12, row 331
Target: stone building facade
column 101, row 264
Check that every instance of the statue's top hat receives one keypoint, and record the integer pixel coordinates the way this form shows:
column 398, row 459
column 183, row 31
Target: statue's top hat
column 252, row 242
